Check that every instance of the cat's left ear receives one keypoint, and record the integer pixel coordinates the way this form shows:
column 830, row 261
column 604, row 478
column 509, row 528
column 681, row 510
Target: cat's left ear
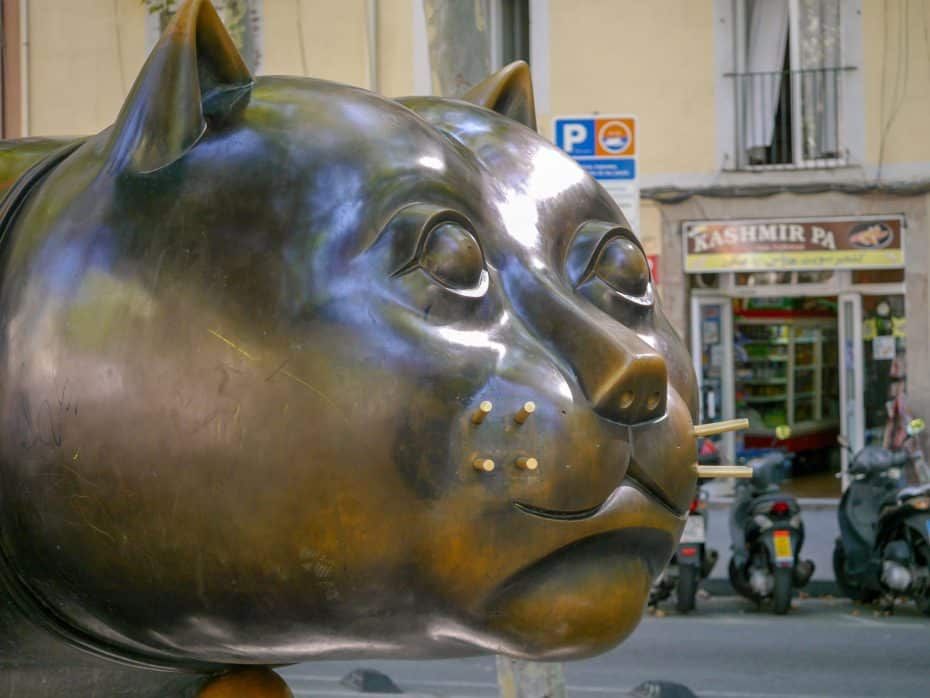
column 194, row 78
column 509, row 91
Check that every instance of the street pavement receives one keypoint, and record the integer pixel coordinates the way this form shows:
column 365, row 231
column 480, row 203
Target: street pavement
column 825, row 647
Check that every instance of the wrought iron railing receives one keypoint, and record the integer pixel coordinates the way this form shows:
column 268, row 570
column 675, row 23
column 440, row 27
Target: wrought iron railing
column 789, row 119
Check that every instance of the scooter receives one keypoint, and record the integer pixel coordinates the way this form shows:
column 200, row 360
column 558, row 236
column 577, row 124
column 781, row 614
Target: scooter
column 767, row 532
column 883, row 551
column 692, row 560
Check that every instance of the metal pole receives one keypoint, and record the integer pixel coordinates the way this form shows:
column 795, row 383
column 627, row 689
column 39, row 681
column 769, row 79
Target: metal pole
column 521, row 679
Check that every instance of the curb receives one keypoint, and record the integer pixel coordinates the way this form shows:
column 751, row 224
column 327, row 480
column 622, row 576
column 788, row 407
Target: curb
column 815, row 587
column 806, row 503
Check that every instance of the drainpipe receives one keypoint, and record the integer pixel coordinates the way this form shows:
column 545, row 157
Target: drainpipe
column 373, row 82
column 24, row 66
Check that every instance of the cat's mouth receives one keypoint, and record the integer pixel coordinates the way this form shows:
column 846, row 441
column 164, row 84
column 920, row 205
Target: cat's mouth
column 635, row 477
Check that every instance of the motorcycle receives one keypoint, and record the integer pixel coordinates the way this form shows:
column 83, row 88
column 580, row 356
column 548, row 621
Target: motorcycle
column 767, row 533
column 883, row 551
column 692, row 560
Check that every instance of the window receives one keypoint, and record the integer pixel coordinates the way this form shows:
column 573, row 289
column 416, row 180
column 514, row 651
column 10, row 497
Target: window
column 788, row 83
column 510, row 32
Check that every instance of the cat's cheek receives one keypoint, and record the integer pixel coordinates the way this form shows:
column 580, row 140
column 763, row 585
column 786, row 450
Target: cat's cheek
column 635, row 315
column 432, row 303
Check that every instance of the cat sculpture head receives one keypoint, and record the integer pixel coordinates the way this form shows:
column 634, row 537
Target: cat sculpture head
column 291, row 370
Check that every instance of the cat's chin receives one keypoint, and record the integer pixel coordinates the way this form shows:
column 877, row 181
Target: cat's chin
column 588, row 595
column 582, row 599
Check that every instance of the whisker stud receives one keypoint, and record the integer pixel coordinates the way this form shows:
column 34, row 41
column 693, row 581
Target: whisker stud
column 524, row 413
column 484, row 409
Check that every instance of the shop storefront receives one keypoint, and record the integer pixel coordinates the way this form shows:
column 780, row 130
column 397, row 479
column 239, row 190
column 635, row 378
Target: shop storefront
column 800, row 322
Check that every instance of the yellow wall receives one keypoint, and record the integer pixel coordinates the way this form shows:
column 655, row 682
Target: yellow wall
column 85, row 54
column 334, row 42
column 652, row 59
column 83, row 57
column 395, row 44
column 896, row 69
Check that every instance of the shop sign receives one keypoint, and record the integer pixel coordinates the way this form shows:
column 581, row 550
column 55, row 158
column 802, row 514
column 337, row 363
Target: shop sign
column 794, row 244
column 605, row 146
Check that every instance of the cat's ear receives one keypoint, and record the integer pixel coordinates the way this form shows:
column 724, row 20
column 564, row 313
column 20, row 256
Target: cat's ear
column 194, row 78
column 509, row 91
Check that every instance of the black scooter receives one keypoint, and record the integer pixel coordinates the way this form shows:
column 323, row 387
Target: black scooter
column 767, row 533
column 883, row 551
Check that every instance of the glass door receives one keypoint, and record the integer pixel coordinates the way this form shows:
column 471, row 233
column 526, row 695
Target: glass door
column 712, row 353
column 884, row 352
column 852, row 414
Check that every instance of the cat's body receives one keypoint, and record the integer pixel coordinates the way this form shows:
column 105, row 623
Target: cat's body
column 245, row 334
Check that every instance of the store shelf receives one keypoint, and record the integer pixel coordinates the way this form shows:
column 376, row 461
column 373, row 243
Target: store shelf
column 806, row 399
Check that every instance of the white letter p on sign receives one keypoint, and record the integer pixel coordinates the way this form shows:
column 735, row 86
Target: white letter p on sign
column 574, row 134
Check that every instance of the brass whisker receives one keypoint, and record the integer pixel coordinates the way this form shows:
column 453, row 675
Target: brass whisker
column 720, row 427
column 741, row 471
column 485, row 465
column 484, row 409
column 524, row 413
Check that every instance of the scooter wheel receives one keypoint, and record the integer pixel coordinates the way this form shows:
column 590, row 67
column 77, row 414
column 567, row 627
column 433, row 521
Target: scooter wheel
column 738, row 581
column 850, row 589
column 687, row 588
column 923, row 604
column 781, row 594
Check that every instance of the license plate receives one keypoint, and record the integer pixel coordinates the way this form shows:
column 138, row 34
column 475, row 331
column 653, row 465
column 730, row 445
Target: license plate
column 783, row 547
column 694, row 530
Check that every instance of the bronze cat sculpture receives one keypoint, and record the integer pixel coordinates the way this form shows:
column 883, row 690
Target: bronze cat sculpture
column 293, row 371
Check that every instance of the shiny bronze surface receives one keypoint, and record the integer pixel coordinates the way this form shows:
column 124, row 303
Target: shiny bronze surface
column 246, row 334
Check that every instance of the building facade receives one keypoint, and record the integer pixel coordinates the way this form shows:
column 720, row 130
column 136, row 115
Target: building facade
column 753, row 117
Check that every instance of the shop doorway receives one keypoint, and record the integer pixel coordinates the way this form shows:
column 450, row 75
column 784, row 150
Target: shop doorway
column 823, row 364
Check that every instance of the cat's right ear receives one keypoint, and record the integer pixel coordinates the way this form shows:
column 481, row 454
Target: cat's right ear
column 194, row 76
column 509, row 91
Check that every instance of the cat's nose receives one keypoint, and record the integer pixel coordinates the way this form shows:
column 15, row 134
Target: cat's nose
column 629, row 387
column 622, row 376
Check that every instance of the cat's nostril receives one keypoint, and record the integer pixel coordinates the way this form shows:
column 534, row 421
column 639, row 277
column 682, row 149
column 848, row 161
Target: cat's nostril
column 636, row 392
column 653, row 401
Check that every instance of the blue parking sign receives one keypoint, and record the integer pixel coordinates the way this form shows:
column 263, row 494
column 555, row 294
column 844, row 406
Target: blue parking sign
column 575, row 136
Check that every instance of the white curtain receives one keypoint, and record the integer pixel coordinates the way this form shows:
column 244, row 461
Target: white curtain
column 766, row 40
column 819, row 53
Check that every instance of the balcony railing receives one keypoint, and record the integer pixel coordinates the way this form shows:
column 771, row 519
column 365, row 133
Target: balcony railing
column 789, row 119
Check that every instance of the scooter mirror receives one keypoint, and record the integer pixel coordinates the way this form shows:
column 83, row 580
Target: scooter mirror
column 782, row 432
column 915, row 426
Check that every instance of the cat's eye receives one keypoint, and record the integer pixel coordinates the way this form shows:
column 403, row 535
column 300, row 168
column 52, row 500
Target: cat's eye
column 609, row 253
column 623, row 266
column 452, row 256
column 438, row 244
